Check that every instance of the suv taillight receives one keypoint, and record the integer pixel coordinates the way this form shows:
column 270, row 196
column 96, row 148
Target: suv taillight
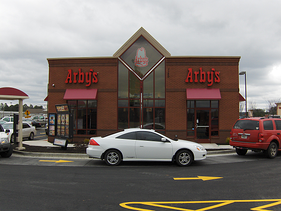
column 93, row 142
column 261, row 139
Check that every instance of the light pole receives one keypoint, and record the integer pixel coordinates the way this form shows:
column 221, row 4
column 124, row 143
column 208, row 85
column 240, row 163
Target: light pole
column 244, row 73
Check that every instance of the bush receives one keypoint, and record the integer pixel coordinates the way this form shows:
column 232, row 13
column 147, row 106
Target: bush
column 227, row 140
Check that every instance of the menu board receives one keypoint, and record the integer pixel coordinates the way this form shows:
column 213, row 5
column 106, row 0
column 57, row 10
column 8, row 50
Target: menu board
column 64, row 121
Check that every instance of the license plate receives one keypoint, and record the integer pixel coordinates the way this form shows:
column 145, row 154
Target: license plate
column 244, row 136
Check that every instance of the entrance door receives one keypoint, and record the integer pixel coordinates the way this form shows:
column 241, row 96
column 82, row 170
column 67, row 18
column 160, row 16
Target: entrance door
column 202, row 124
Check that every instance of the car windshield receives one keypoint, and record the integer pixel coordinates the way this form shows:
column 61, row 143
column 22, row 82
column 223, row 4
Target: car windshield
column 247, row 125
column 8, row 126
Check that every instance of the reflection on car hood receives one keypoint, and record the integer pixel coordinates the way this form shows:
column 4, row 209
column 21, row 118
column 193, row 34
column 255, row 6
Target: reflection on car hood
column 189, row 142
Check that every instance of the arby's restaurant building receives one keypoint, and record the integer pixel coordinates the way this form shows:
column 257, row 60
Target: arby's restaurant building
column 142, row 85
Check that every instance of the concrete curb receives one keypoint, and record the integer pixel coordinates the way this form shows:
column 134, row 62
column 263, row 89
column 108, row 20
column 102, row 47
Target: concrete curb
column 221, row 151
column 51, row 155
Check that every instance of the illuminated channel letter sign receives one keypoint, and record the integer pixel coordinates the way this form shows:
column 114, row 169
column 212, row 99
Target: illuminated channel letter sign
column 81, row 77
column 201, row 76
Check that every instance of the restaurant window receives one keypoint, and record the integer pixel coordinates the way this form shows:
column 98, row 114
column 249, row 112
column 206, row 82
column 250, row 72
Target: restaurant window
column 84, row 116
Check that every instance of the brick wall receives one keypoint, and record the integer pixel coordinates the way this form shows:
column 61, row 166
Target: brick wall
column 176, row 73
column 106, row 69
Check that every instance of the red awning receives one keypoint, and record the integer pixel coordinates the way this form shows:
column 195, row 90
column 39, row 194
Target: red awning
column 241, row 98
column 203, row 94
column 80, row 94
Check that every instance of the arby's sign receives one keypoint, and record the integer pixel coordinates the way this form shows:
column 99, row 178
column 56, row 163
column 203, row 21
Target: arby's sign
column 141, row 59
column 81, row 77
column 201, row 76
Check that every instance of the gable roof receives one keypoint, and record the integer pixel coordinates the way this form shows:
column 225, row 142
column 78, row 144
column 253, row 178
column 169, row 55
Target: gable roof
column 148, row 37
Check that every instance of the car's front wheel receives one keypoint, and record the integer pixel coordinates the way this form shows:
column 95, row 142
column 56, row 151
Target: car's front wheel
column 272, row 150
column 241, row 151
column 8, row 153
column 112, row 157
column 184, row 158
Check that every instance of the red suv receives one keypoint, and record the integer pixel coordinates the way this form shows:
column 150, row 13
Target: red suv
column 257, row 134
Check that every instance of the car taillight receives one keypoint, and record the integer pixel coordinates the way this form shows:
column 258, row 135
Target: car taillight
column 261, row 139
column 93, row 142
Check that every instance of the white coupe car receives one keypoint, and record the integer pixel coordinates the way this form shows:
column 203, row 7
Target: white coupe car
column 144, row 145
column 28, row 131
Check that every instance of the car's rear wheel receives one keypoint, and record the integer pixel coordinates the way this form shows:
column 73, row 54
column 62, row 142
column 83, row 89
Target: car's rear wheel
column 272, row 150
column 184, row 158
column 241, row 151
column 8, row 153
column 31, row 136
column 112, row 157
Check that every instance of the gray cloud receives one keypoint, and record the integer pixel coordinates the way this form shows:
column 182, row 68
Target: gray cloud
column 32, row 31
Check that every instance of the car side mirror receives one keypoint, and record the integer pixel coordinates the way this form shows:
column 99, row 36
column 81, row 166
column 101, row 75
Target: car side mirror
column 164, row 140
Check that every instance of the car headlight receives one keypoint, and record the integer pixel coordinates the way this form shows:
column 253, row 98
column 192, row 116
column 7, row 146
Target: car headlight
column 200, row 148
column 4, row 140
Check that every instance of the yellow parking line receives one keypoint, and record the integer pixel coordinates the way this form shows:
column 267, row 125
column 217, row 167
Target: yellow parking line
column 204, row 178
column 56, row 161
column 219, row 203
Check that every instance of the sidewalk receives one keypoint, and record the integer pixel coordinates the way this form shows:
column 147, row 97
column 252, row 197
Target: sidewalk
column 43, row 148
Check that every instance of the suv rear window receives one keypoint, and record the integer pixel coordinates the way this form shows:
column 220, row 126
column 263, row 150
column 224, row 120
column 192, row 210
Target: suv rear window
column 278, row 124
column 268, row 125
column 247, row 125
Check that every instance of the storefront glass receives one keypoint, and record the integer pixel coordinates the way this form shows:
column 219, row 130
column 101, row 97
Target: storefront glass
column 134, row 86
column 146, row 106
column 84, row 116
column 148, row 87
column 123, row 81
column 160, row 81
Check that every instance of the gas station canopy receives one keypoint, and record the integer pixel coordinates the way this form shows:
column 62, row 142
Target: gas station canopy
column 8, row 93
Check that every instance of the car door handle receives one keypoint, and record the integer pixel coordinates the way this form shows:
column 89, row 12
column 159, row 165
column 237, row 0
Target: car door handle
column 278, row 133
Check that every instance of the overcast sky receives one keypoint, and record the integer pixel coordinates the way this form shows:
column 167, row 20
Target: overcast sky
column 32, row 31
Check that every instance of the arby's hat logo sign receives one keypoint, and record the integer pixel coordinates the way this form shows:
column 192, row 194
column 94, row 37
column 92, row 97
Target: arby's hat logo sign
column 141, row 60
